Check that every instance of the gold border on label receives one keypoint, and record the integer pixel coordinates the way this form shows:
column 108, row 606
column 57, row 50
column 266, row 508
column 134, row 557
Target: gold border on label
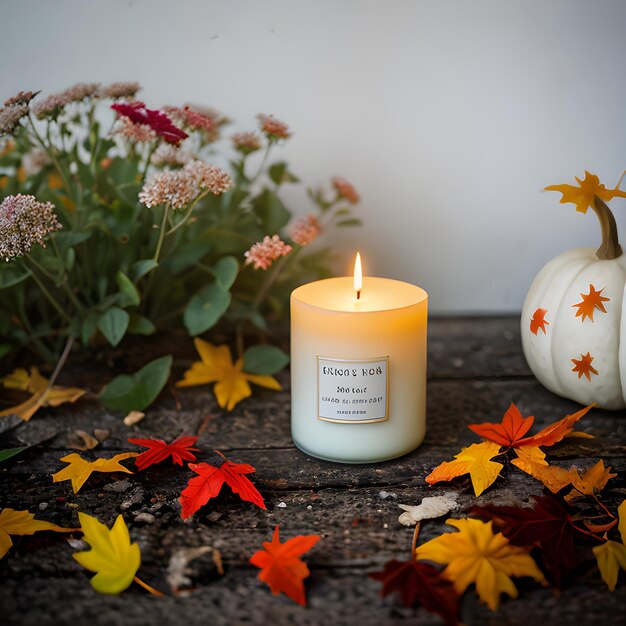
column 340, row 421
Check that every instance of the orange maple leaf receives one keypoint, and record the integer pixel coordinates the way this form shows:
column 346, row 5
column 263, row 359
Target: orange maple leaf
column 590, row 302
column 591, row 482
column 511, row 430
column 553, row 433
column 539, row 322
column 281, row 566
column 583, row 194
column 583, row 366
column 532, row 460
column 475, row 460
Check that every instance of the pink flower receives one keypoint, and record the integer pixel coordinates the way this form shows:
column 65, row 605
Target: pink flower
column 178, row 188
column 160, row 123
column 10, row 117
column 274, row 129
column 345, row 190
column 23, row 222
column 263, row 253
column 120, row 90
column 167, row 154
column 209, row 177
column 306, row 230
column 246, row 143
column 194, row 120
column 23, row 97
column 136, row 133
column 54, row 103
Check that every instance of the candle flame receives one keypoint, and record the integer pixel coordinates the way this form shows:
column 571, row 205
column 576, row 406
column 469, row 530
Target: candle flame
column 358, row 276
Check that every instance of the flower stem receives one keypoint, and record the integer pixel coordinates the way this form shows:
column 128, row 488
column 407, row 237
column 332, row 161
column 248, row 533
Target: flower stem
column 187, row 215
column 271, row 279
column 48, row 295
column 416, row 534
column 610, row 248
column 147, row 587
column 162, row 233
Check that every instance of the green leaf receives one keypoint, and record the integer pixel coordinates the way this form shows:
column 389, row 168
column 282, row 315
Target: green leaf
column 280, row 174
column 113, row 324
column 52, row 264
column 140, row 325
column 186, row 256
column 138, row 391
column 130, row 293
column 88, row 328
column 70, row 257
column 67, row 240
column 205, row 309
column 8, row 453
column 226, row 270
column 141, row 268
column 350, row 222
column 10, row 276
column 264, row 360
column 271, row 211
column 5, row 348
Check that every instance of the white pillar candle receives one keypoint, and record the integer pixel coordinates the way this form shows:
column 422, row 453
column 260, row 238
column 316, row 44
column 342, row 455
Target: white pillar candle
column 358, row 369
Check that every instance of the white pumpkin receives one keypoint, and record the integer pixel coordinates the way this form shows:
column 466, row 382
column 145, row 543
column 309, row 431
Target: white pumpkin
column 573, row 320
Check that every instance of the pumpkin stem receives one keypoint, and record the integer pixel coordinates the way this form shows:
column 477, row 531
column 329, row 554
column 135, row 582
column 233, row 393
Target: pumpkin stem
column 610, row 248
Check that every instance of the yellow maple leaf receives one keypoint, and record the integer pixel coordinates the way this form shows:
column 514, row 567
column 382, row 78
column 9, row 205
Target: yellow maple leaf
column 532, row 460
column 79, row 470
column 611, row 555
column 476, row 555
column 474, row 460
column 583, row 194
column 42, row 394
column 14, row 522
column 591, row 482
column 232, row 383
column 112, row 556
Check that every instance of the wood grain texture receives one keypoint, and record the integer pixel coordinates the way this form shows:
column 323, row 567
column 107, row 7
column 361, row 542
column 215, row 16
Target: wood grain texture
column 476, row 367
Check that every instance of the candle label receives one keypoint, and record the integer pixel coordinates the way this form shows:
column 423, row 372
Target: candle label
column 353, row 391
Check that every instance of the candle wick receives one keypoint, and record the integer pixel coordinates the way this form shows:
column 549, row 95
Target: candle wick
column 358, row 294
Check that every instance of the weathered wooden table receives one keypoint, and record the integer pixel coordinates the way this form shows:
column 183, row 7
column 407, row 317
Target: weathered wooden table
column 476, row 367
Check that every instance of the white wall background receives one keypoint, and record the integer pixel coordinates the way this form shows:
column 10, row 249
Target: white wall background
column 449, row 116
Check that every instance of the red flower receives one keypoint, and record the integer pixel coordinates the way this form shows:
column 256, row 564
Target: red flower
column 160, row 123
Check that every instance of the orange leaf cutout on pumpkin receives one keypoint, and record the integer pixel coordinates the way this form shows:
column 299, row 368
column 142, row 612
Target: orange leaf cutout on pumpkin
column 538, row 322
column 590, row 302
column 583, row 366
column 281, row 566
column 474, row 460
column 591, row 482
column 583, row 195
column 210, row 480
column 511, row 430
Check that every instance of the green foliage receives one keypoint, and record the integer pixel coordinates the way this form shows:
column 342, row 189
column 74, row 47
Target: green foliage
column 10, row 452
column 137, row 392
column 264, row 360
column 120, row 267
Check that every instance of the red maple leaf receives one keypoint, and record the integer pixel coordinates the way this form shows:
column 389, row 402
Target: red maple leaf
column 160, row 123
column 509, row 432
column 590, row 302
column 208, row 484
column 583, row 366
column 180, row 450
column 418, row 582
column 281, row 566
column 538, row 322
column 547, row 525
